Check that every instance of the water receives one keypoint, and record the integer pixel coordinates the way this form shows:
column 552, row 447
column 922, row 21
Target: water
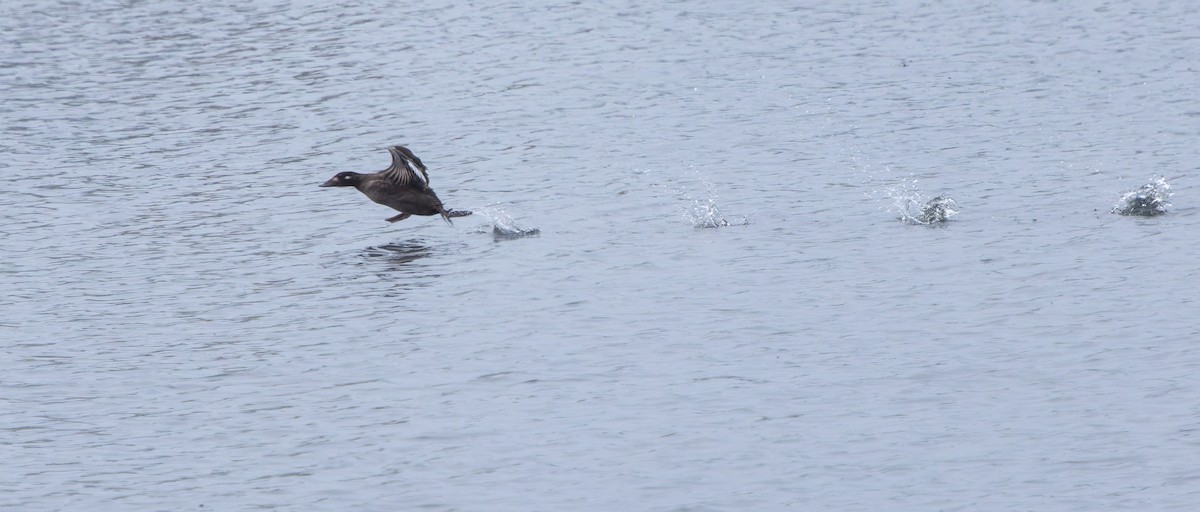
column 190, row 323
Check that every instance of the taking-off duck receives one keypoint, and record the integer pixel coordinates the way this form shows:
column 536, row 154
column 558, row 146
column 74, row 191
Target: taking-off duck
column 398, row 187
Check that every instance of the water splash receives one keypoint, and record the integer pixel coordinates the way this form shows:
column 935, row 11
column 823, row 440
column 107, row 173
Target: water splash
column 913, row 208
column 503, row 226
column 1147, row 200
column 938, row 209
column 701, row 211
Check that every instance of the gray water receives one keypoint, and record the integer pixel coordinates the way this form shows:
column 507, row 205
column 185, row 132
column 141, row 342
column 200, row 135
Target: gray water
column 720, row 309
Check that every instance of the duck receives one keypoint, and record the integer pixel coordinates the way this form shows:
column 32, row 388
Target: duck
column 398, row 187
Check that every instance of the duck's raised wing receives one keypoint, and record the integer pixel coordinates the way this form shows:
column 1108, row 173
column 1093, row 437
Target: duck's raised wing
column 401, row 171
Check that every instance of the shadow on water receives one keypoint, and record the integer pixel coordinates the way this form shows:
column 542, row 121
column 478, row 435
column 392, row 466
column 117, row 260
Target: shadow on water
column 381, row 260
column 398, row 256
column 387, row 270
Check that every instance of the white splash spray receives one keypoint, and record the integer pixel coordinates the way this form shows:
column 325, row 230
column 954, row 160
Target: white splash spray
column 700, row 208
column 502, row 224
column 910, row 204
column 1147, row 200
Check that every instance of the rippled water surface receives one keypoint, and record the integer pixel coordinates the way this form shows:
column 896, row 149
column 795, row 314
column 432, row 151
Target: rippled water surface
column 687, row 287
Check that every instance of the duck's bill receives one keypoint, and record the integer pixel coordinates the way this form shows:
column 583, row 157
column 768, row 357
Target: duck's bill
column 331, row 183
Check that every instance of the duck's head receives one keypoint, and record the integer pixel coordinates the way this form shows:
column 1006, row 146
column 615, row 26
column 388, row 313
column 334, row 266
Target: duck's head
column 343, row 179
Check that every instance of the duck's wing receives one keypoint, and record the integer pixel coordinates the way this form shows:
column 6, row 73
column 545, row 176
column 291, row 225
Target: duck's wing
column 410, row 157
column 401, row 171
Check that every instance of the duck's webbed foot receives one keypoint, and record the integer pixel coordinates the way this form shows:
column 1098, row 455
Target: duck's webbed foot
column 398, row 218
column 458, row 213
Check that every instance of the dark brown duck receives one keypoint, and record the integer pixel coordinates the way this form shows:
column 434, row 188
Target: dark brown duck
column 398, row 187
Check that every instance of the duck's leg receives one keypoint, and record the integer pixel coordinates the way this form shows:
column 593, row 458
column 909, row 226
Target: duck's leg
column 398, row 218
